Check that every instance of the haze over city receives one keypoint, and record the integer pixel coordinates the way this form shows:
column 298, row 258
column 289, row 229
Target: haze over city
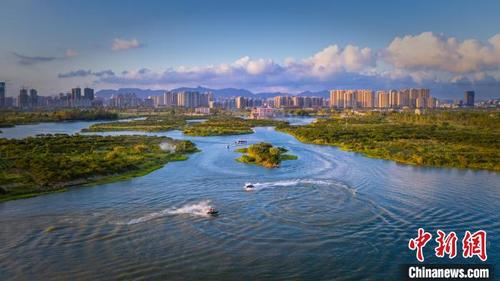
column 446, row 46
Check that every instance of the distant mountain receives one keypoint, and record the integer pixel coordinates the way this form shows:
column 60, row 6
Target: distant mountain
column 225, row 92
column 191, row 89
column 270, row 95
column 232, row 92
column 324, row 94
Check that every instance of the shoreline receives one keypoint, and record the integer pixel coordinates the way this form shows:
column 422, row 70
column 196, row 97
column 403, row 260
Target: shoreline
column 92, row 182
column 373, row 156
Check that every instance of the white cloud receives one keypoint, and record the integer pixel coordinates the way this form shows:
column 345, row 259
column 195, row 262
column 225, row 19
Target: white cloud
column 428, row 51
column 334, row 59
column 120, row 44
column 413, row 60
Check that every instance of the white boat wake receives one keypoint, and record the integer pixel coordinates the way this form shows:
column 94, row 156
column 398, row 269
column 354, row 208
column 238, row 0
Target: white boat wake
column 196, row 209
column 297, row 182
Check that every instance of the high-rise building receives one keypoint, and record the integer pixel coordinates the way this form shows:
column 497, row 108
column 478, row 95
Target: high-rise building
column 403, row 98
column 298, row 101
column 170, row 99
column 2, row 94
column 469, row 98
column 282, row 101
column 383, row 99
column 362, row 98
column 365, row 99
column 192, row 99
column 88, row 93
column 23, row 98
column 76, row 93
column 241, row 102
column 33, row 100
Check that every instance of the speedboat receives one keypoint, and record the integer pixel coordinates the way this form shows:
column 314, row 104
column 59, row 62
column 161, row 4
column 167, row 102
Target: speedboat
column 212, row 212
column 249, row 186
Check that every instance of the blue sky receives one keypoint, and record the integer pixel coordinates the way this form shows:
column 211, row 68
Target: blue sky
column 259, row 45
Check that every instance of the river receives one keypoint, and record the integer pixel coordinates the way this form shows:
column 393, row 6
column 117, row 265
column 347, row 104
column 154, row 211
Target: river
column 328, row 215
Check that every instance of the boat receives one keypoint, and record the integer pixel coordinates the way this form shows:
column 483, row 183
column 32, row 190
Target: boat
column 212, row 212
column 249, row 186
column 241, row 142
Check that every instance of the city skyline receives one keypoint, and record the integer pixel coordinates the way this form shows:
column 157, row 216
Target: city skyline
column 447, row 47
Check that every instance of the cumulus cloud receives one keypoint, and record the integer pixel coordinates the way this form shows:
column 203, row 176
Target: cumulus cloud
column 120, row 44
column 429, row 51
column 413, row 60
column 334, row 59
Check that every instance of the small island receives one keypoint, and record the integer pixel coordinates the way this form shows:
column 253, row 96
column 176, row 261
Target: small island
column 52, row 163
column 149, row 124
column 264, row 154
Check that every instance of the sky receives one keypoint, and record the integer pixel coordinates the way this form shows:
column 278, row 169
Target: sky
column 448, row 46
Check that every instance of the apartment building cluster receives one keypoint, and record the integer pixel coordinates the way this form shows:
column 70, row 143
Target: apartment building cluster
column 365, row 98
column 182, row 99
column 297, row 102
column 243, row 102
column 29, row 99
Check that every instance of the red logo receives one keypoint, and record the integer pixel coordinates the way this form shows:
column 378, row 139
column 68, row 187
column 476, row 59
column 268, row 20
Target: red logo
column 473, row 244
column 447, row 244
column 419, row 243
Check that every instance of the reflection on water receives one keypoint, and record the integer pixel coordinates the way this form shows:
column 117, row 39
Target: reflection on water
column 328, row 215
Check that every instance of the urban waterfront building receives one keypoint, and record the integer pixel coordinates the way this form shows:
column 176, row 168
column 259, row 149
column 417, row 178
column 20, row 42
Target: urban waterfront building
column 362, row 98
column 76, row 93
column 129, row 100
column 469, row 98
column 2, row 94
column 23, row 99
column 263, row 112
column 412, row 98
column 33, row 99
column 88, row 94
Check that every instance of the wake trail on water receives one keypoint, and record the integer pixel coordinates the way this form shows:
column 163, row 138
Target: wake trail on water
column 297, row 182
column 195, row 209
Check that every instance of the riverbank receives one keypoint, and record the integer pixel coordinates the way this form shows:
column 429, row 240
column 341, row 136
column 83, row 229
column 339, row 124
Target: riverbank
column 52, row 163
column 150, row 124
column 10, row 119
column 222, row 126
column 450, row 139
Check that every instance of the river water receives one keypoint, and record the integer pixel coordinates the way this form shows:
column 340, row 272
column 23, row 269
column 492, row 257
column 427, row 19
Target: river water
column 330, row 215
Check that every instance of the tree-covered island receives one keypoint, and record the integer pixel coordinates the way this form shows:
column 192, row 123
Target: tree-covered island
column 149, row 124
column 264, row 154
column 213, row 126
column 50, row 163
column 220, row 126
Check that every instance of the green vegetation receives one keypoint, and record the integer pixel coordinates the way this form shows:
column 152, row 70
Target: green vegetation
column 264, row 154
column 150, row 124
column 12, row 118
column 461, row 139
column 50, row 163
column 219, row 126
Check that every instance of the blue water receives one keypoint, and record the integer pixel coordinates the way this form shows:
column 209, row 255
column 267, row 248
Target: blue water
column 330, row 215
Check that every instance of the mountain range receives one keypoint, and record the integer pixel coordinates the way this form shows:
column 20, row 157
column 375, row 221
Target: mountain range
column 219, row 93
